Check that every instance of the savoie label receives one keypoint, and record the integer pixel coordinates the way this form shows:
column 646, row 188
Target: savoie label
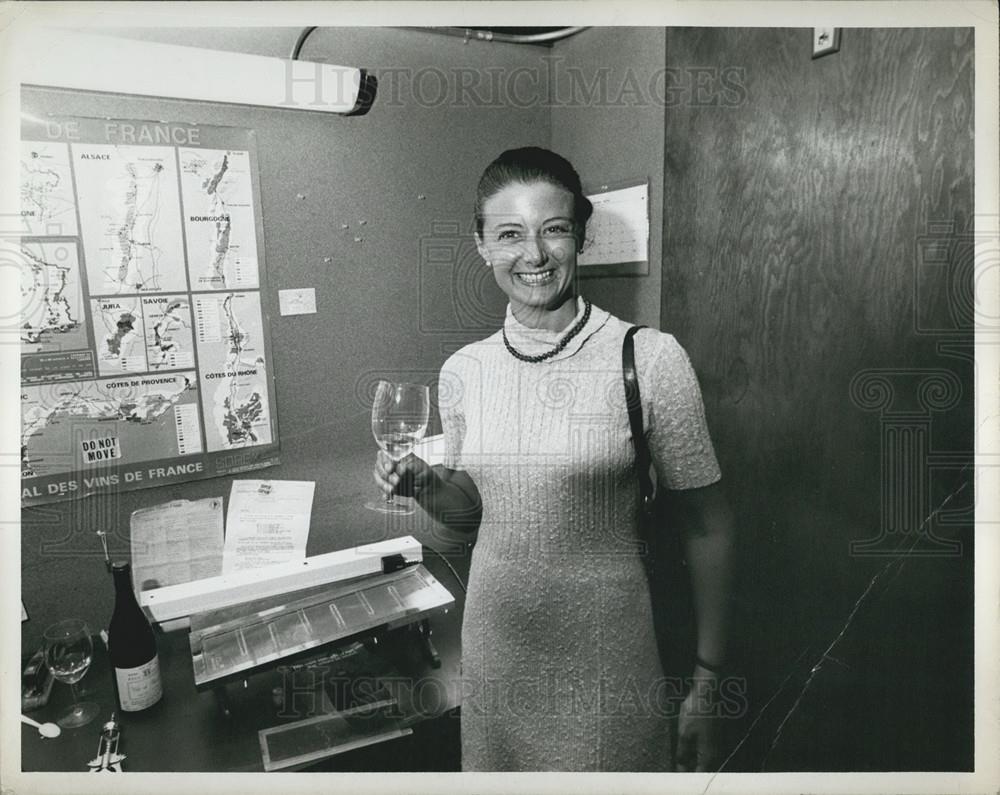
column 140, row 687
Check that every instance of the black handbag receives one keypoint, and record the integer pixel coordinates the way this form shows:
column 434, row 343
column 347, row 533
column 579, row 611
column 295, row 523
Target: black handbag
column 662, row 549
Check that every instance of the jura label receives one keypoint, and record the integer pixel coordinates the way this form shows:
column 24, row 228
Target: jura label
column 140, row 687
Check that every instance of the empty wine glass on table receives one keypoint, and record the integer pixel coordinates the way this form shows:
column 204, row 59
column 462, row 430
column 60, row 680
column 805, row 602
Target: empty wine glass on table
column 399, row 420
column 68, row 652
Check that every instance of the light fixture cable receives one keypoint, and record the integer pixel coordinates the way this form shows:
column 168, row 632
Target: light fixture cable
column 306, row 32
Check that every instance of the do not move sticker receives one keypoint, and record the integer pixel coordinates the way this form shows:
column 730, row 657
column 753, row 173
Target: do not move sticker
column 96, row 450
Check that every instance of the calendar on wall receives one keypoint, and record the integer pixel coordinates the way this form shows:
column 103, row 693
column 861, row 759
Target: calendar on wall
column 617, row 241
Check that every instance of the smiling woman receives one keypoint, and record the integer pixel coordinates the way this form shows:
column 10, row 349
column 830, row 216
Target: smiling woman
column 560, row 665
column 528, row 240
column 530, row 221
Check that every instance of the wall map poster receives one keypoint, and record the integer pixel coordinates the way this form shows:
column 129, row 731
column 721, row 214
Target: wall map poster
column 145, row 354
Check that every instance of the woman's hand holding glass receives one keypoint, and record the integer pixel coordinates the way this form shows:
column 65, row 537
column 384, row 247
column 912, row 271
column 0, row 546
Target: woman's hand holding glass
column 400, row 413
column 407, row 477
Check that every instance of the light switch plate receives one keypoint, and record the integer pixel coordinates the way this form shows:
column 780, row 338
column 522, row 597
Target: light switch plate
column 297, row 302
column 825, row 41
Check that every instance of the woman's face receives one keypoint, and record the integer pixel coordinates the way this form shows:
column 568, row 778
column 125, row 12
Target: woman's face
column 528, row 237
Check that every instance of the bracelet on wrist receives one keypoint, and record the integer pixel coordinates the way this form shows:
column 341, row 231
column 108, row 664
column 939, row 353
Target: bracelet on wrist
column 712, row 668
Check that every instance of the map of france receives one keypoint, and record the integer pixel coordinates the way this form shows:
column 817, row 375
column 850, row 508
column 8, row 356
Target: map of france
column 144, row 346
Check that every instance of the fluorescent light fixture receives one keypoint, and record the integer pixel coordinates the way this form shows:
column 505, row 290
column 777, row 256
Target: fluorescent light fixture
column 89, row 62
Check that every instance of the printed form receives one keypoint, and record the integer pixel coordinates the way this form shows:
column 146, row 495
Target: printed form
column 176, row 542
column 267, row 522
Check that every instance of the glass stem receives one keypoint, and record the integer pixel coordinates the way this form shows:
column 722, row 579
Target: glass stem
column 76, row 698
column 389, row 500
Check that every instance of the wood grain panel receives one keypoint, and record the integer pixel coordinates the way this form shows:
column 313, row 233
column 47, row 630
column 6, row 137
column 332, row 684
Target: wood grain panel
column 797, row 227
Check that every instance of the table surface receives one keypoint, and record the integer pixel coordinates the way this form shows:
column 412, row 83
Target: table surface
column 201, row 737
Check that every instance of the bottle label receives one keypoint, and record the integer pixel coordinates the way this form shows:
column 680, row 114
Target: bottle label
column 140, row 687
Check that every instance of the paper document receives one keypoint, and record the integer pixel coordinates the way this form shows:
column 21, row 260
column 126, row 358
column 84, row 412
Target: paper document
column 176, row 542
column 267, row 523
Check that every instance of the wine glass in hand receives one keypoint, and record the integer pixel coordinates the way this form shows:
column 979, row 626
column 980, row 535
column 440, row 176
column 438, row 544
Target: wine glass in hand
column 399, row 420
column 68, row 652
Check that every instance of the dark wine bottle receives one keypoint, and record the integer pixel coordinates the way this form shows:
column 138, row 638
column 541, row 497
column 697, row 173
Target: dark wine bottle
column 132, row 647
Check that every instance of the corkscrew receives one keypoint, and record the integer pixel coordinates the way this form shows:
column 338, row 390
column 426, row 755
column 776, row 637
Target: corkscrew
column 108, row 760
column 104, row 544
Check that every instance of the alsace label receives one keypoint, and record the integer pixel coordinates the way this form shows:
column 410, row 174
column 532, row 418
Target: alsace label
column 140, row 687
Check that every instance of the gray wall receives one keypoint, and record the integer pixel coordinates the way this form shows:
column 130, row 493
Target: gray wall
column 607, row 101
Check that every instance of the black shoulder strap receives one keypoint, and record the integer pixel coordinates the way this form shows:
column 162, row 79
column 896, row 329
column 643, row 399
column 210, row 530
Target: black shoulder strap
column 633, row 402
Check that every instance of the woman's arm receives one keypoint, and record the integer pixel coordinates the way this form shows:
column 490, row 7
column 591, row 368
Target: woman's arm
column 451, row 497
column 448, row 495
column 705, row 521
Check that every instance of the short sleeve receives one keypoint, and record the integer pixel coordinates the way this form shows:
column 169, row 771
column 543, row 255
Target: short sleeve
column 677, row 433
column 451, row 390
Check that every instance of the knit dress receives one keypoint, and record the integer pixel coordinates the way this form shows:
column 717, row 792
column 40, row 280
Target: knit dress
column 560, row 669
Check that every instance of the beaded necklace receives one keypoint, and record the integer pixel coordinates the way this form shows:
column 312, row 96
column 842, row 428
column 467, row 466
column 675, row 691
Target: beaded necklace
column 541, row 357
